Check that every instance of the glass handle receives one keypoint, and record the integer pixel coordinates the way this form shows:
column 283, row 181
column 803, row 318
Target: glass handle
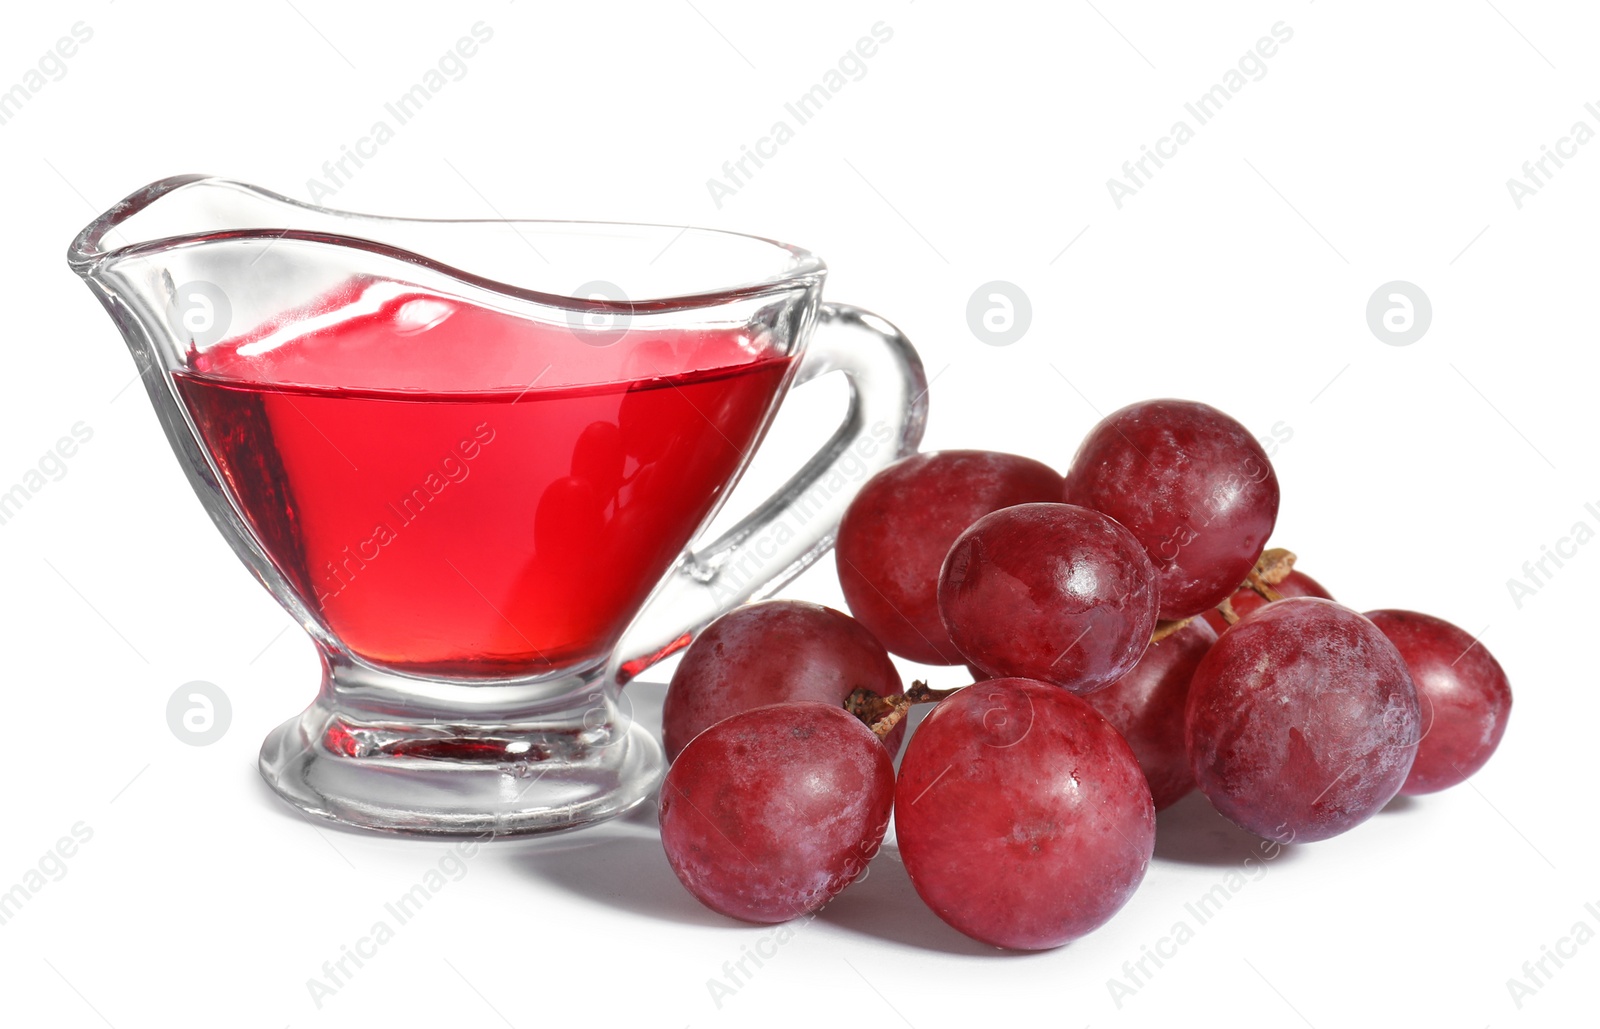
column 795, row 526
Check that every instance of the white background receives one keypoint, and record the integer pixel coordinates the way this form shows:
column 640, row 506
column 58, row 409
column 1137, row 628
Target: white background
column 976, row 147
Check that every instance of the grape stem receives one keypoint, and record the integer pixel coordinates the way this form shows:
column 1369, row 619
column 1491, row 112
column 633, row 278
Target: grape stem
column 1272, row 567
column 882, row 714
column 1268, row 592
column 1168, row 627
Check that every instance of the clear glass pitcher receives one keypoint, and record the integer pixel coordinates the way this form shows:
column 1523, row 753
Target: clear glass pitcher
column 472, row 459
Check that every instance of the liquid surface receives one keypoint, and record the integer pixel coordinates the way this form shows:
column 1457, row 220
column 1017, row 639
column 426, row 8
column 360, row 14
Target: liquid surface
column 492, row 530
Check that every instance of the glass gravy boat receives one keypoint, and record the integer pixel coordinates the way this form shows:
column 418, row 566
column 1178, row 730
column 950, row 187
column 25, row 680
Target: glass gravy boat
column 472, row 459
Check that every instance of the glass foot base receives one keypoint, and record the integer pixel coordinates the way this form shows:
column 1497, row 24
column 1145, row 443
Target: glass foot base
column 432, row 780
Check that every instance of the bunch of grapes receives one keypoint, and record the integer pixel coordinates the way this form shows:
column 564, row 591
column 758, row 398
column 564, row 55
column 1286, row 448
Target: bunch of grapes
column 1131, row 639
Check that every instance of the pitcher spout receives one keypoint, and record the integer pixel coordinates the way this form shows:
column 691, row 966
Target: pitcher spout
column 278, row 341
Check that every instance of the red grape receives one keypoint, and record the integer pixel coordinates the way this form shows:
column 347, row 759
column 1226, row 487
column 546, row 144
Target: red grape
column 1302, row 721
column 768, row 814
column 1464, row 695
column 1146, row 706
column 1021, row 815
column 898, row 529
column 770, row 652
column 1191, row 484
column 1049, row 591
column 1246, row 600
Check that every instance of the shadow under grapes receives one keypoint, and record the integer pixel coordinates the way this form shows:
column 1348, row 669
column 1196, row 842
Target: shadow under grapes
column 619, row 864
column 1191, row 832
column 884, row 905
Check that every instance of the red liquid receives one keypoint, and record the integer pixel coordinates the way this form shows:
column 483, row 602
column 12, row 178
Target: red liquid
column 475, row 529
